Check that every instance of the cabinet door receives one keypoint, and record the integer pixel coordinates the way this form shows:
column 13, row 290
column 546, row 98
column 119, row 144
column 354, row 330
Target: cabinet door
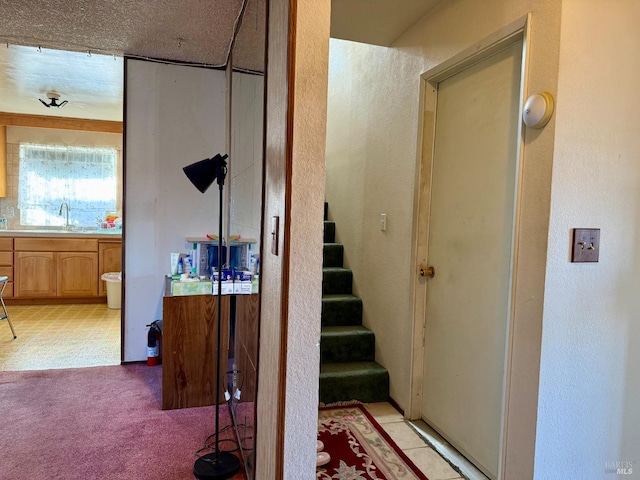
column 35, row 274
column 77, row 274
column 110, row 260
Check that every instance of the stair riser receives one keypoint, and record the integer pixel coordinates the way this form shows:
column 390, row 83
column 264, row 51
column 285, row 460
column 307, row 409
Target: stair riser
column 332, row 255
column 329, row 232
column 367, row 388
column 347, row 348
column 341, row 313
column 337, row 282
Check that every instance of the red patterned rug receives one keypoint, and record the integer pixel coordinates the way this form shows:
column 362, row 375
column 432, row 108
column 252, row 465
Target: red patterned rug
column 360, row 449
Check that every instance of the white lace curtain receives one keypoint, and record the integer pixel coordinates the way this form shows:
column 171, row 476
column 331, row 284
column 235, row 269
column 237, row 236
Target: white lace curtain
column 83, row 177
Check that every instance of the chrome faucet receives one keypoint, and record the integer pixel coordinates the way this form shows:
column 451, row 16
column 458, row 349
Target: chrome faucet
column 66, row 223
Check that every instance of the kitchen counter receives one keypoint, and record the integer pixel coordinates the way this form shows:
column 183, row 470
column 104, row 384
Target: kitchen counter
column 62, row 233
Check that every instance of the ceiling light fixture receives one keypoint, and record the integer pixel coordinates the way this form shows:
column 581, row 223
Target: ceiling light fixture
column 54, row 97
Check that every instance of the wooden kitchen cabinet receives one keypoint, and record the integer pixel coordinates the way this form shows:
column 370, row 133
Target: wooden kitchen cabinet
column 6, row 264
column 109, row 260
column 60, row 270
column 77, row 274
column 35, row 274
column 51, row 274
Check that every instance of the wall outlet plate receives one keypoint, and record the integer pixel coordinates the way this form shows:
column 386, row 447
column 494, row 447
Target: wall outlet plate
column 586, row 245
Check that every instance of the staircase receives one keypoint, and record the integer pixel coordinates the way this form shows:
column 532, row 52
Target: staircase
column 347, row 349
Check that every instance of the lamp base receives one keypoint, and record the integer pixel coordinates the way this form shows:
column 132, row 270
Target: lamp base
column 216, row 466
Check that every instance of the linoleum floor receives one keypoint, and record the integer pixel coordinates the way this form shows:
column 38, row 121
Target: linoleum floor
column 60, row 336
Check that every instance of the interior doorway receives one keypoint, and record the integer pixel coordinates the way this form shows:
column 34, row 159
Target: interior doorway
column 472, row 142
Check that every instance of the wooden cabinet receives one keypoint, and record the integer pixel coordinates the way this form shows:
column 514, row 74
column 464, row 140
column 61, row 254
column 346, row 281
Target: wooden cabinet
column 35, row 274
column 189, row 328
column 77, row 274
column 189, row 334
column 59, row 268
column 109, row 260
column 6, row 264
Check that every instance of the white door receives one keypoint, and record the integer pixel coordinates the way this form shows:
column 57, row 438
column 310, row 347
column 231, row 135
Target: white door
column 471, row 228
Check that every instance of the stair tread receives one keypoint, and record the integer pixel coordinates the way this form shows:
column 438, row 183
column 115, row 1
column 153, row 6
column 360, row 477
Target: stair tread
column 332, row 244
column 350, row 368
column 335, row 269
column 340, row 330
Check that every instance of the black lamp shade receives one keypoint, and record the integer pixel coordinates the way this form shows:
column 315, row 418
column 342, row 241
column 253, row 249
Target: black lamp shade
column 203, row 173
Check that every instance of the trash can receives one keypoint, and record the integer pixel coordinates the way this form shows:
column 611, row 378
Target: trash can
column 114, row 291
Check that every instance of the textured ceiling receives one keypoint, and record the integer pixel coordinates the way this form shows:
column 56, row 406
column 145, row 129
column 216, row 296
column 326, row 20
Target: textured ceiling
column 75, row 47
column 187, row 31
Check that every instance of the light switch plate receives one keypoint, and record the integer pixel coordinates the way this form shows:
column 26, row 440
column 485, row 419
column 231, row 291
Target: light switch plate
column 586, row 245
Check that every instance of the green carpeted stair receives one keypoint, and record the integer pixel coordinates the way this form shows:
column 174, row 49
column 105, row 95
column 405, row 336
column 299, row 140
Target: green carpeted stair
column 347, row 370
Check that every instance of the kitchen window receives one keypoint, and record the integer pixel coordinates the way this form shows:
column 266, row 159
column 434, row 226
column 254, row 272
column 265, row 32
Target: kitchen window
column 86, row 178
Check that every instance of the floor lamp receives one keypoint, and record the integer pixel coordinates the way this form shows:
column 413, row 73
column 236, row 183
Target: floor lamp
column 217, row 465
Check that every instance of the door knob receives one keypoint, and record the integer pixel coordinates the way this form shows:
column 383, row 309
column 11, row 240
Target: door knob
column 427, row 271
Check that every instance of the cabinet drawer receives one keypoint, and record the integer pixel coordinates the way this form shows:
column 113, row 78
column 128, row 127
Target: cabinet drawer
column 31, row 244
column 6, row 259
column 6, row 244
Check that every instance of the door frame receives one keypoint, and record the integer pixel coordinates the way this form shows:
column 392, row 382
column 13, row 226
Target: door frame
column 506, row 36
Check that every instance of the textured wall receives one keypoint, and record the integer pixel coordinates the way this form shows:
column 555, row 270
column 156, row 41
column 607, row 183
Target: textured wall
column 589, row 414
column 371, row 141
column 305, row 226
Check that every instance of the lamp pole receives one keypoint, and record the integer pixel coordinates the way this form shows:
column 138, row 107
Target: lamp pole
column 217, row 465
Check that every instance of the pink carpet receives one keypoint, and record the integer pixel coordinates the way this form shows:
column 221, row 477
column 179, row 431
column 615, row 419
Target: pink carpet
column 98, row 423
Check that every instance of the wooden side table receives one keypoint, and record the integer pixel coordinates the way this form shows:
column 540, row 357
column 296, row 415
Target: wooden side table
column 189, row 329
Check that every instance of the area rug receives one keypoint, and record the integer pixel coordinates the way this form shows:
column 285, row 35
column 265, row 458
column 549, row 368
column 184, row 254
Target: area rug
column 359, row 447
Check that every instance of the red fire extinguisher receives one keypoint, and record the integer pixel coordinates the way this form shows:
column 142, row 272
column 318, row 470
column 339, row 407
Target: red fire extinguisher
column 153, row 343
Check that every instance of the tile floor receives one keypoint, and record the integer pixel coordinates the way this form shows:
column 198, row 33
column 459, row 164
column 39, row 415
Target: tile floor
column 60, row 336
column 413, row 446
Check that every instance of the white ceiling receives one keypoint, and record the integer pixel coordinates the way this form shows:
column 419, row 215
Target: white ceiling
column 92, row 84
column 93, row 37
column 379, row 22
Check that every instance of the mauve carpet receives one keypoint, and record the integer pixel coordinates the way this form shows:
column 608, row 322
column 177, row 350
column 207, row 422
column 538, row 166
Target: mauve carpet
column 98, row 423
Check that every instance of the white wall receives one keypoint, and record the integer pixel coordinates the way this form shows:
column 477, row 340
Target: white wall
column 589, row 408
column 245, row 157
column 174, row 116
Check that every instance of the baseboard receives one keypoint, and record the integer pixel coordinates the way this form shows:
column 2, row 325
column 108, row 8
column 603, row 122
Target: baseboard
column 55, row 301
column 395, row 405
